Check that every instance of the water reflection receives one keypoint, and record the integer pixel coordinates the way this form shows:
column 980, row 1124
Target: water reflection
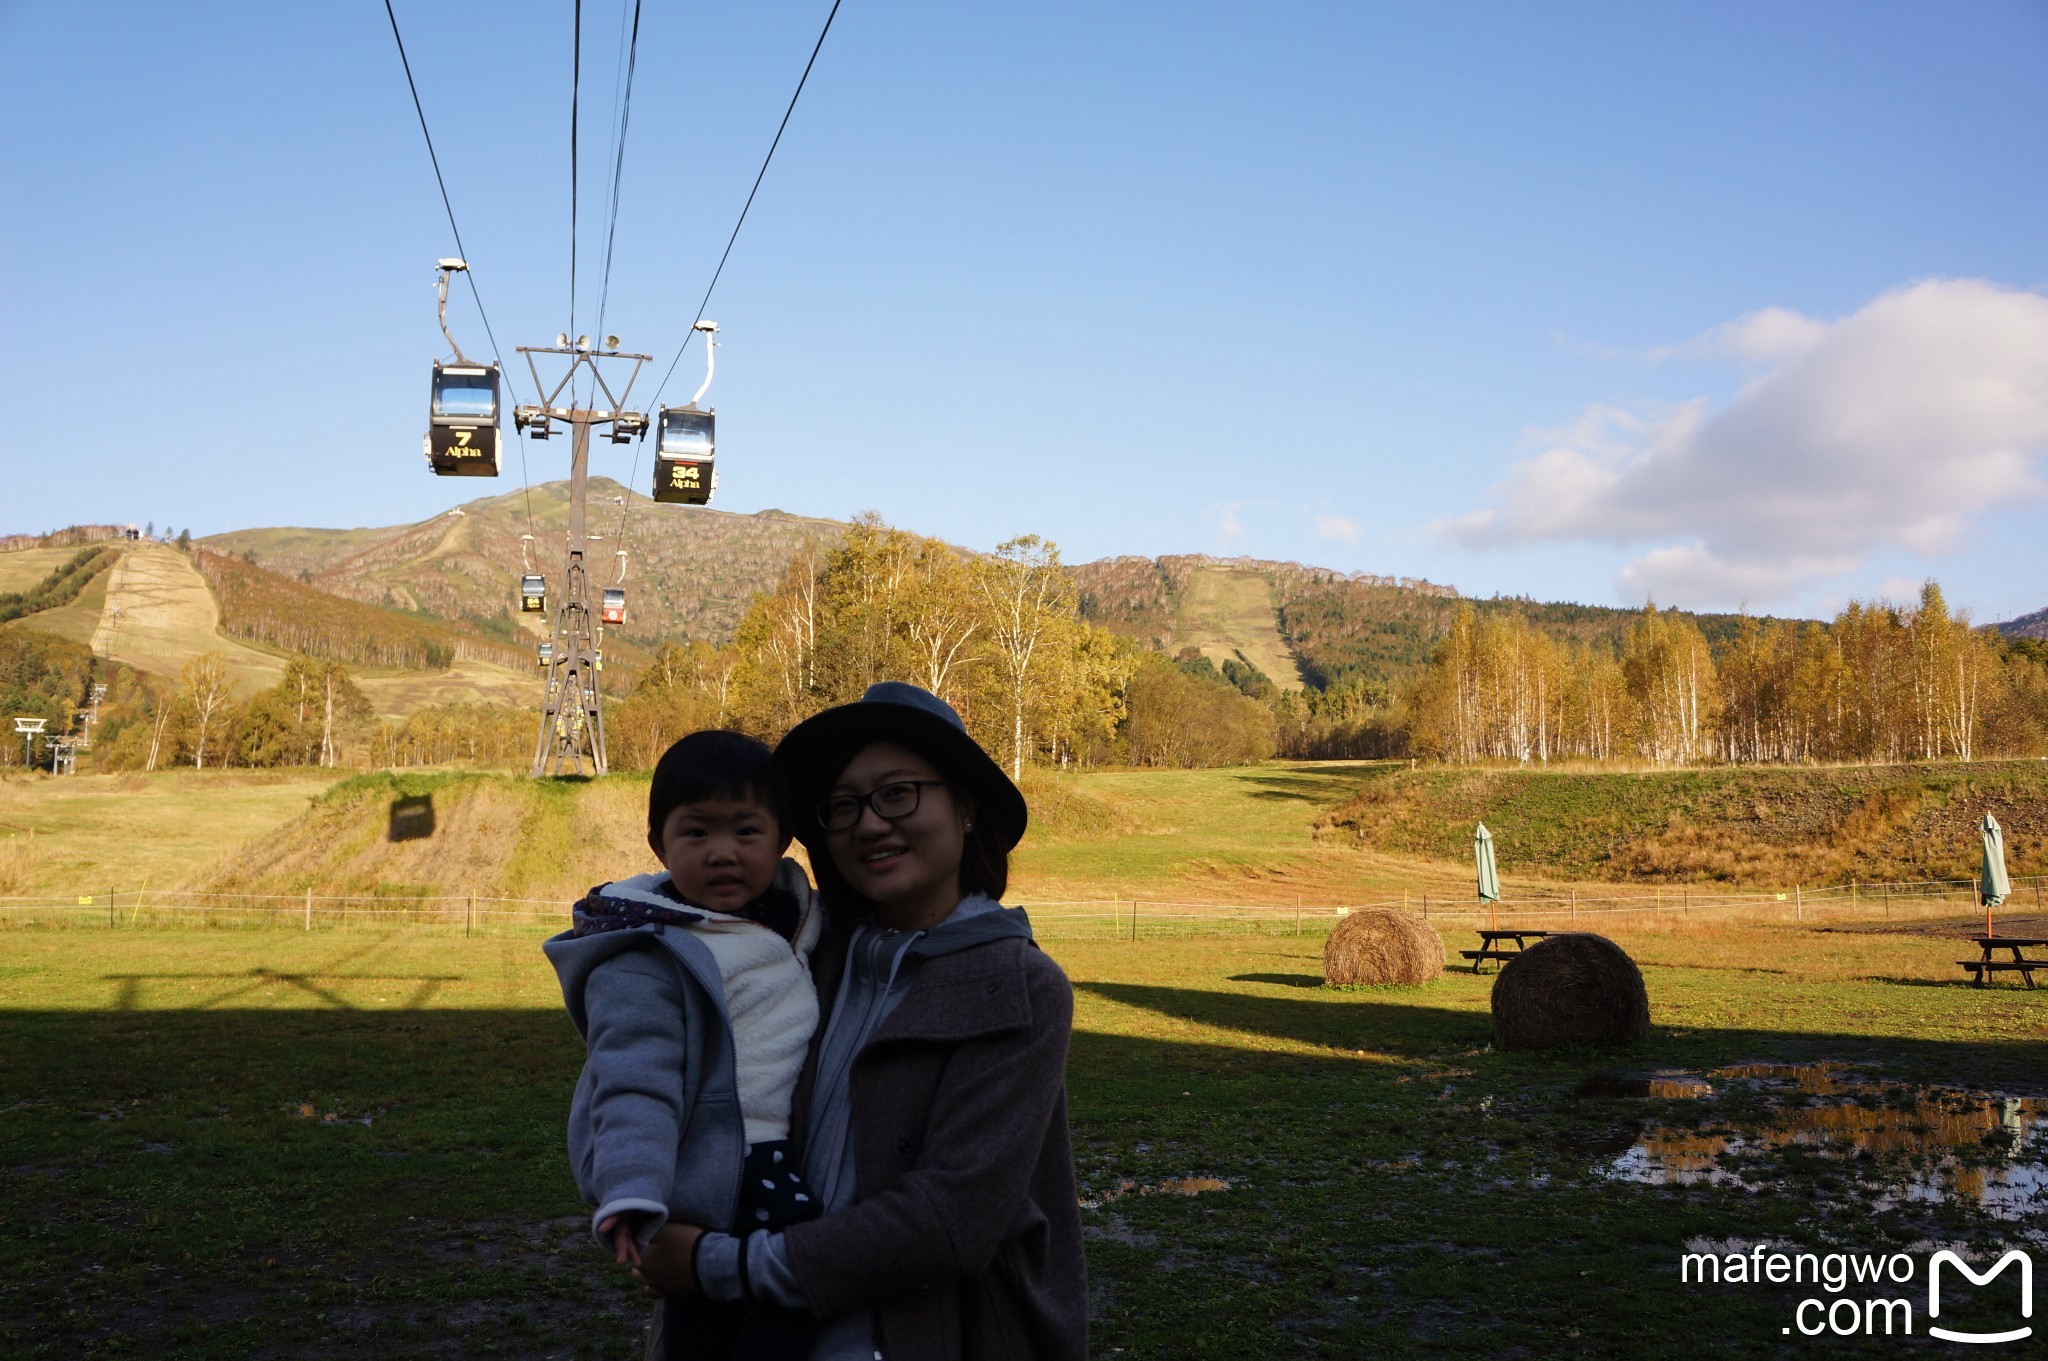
column 1898, row 1144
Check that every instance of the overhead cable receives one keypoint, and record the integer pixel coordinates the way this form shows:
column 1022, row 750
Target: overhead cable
column 625, row 118
column 460, row 249
column 575, row 94
column 706, row 301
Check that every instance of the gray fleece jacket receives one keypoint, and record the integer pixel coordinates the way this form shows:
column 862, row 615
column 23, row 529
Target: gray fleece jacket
column 880, row 966
column 657, row 1125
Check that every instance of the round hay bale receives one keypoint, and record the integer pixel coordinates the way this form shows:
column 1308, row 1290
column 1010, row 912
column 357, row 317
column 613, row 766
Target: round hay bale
column 1577, row 988
column 1382, row 945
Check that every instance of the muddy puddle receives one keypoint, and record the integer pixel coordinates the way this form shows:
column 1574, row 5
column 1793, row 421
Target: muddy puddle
column 1830, row 1128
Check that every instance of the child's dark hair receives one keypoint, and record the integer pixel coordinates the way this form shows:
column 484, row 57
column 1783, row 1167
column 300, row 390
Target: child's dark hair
column 716, row 764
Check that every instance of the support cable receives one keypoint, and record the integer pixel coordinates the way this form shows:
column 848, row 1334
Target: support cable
column 705, row 301
column 625, row 118
column 575, row 95
column 460, row 249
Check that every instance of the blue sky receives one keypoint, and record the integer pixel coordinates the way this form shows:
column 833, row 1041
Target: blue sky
column 1429, row 290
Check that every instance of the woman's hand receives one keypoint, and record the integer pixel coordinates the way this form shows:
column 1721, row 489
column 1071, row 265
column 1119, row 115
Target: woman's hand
column 619, row 1228
column 667, row 1266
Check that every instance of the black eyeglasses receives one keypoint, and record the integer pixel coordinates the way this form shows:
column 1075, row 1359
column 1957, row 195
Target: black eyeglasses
column 897, row 799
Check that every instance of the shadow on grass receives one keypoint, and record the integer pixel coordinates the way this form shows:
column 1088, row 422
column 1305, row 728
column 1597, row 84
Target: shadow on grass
column 1348, row 1021
column 435, row 1206
column 1282, row 980
column 1328, row 787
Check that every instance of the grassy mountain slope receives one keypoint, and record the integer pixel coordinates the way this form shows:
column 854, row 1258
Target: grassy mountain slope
column 23, row 568
column 691, row 570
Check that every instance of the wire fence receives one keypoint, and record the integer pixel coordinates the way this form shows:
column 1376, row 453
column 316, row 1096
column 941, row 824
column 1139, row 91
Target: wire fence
column 1112, row 918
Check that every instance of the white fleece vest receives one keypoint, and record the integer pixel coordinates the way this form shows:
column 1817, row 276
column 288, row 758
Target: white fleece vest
column 770, row 1001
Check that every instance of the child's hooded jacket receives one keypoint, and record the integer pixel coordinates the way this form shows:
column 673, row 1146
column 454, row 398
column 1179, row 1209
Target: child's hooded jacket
column 663, row 1113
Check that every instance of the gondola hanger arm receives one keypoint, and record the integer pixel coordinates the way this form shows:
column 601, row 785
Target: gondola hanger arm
column 448, row 266
column 710, row 330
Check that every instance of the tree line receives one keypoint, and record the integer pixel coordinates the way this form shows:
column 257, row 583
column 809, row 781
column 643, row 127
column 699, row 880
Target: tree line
column 1882, row 682
column 998, row 636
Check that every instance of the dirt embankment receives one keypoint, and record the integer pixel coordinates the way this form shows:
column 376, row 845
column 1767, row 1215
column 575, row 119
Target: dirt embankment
column 493, row 835
column 1766, row 827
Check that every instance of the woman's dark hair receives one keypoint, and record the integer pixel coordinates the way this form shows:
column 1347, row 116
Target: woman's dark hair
column 716, row 764
column 984, row 860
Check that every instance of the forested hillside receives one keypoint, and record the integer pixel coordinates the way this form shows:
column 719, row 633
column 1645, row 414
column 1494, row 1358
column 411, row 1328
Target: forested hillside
column 1339, row 627
column 264, row 607
column 690, row 570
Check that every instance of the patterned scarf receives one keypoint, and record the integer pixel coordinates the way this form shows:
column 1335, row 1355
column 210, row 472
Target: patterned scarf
column 776, row 909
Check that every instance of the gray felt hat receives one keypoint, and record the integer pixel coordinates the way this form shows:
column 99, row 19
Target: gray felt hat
column 817, row 749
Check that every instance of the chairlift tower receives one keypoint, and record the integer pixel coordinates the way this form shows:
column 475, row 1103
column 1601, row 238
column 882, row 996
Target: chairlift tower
column 30, row 729
column 571, row 738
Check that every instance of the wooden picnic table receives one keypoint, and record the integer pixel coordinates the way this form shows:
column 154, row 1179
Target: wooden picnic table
column 1490, row 947
column 1986, row 964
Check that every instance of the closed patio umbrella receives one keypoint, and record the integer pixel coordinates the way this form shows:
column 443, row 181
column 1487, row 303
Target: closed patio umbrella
column 1489, row 875
column 1994, row 884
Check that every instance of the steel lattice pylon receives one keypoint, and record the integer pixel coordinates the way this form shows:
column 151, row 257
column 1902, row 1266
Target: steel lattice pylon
column 571, row 738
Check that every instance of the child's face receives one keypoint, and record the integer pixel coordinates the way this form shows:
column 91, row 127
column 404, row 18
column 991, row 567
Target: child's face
column 721, row 853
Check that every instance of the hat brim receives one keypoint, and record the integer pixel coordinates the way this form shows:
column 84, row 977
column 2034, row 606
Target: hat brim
column 817, row 749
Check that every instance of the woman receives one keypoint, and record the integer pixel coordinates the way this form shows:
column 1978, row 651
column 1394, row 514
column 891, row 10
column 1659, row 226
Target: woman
column 933, row 1104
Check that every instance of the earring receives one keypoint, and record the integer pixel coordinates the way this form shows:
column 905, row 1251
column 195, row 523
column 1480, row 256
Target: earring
column 970, row 826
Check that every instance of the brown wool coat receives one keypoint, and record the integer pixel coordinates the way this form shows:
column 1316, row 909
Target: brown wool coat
column 966, row 1234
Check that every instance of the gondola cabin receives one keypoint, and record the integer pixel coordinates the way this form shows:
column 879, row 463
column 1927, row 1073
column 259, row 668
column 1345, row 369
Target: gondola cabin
column 683, row 456
column 462, row 420
column 533, row 593
column 614, row 608
column 545, row 654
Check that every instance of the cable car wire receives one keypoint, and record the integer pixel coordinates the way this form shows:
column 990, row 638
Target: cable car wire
column 625, row 118
column 460, row 249
column 575, row 94
column 765, row 161
column 704, row 302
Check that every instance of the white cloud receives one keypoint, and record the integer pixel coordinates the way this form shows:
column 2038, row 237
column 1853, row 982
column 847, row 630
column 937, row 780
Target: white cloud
column 1335, row 527
column 1229, row 528
column 1890, row 428
column 1766, row 336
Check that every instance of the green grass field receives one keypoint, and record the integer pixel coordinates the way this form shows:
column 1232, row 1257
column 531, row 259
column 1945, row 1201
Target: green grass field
column 232, row 1144
column 1764, row 825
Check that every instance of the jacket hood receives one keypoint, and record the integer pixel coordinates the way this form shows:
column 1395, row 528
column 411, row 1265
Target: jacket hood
column 976, row 921
column 575, row 956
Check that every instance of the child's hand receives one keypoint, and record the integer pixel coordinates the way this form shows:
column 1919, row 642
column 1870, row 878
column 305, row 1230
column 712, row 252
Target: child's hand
column 619, row 1228
column 665, row 1268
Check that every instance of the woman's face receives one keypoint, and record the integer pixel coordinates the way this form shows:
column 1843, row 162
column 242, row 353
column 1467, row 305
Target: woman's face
column 908, row 866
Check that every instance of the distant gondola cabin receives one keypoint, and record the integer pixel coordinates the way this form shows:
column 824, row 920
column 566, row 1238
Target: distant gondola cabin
column 683, row 456
column 614, row 610
column 533, row 593
column 545, row 653
column 462, row 420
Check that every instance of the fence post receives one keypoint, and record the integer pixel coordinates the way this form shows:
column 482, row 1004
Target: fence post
column 1425, row 906
column 1657, row 910
column 1685, row 906
column 469, row 921
column 1134, row 920
column 110, row 909
column 1798, row 902
column 309, row 907
column 1575, row 902
column 1297, row 914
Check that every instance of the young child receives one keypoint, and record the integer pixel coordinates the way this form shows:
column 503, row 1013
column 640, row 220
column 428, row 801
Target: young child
column 693, row 993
